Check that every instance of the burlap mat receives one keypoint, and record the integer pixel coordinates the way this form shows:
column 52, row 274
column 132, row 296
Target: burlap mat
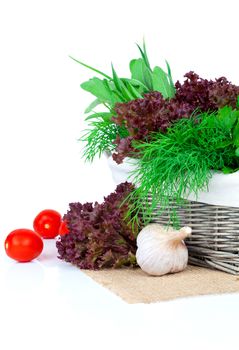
column 134, row 286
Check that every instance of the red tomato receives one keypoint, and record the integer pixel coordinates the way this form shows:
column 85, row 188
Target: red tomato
column 47, row 223
column 23, row 245
column 63, row 230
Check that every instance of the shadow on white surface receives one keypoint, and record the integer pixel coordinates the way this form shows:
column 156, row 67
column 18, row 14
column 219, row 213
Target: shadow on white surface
column 23, row 278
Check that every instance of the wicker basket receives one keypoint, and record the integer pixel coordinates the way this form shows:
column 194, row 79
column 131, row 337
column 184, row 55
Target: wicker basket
column 215, row 234
column 215, row 238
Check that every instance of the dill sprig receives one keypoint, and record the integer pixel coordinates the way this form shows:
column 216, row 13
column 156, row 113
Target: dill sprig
column 100, row 138
column 172, row 165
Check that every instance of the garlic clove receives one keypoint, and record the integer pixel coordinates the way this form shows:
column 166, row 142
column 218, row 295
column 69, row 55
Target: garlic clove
column 162, row 250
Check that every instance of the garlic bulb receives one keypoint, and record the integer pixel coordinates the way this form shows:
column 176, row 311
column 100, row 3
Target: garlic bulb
column 161, row 249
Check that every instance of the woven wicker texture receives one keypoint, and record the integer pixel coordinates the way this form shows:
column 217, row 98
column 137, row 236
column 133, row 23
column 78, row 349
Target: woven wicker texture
column 215, row 234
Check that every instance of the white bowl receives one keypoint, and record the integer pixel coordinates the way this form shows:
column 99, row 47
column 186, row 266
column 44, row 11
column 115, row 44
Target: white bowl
column 223, row 189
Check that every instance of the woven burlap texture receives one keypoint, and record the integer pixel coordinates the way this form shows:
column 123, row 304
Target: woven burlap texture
column 134, row 286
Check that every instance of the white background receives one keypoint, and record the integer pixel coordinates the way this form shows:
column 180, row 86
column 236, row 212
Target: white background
column 41, row 117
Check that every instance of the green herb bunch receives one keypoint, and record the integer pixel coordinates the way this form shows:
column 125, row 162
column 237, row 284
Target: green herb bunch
column 112, row 90
column 180, row 133
column 180, row 162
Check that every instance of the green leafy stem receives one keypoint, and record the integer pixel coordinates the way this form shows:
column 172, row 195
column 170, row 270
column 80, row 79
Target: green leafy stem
column 113, row 89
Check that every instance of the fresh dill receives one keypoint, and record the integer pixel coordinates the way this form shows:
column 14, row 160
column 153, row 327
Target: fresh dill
column 172, row 165
column 100, row 138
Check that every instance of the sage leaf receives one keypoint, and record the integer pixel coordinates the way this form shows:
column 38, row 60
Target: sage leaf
column 136, row 70
column 137, row 84
column 115, row 94
column 106, row 116
column 94, row 104
column 98, row 88
column 140, row 71
column 161, row 82
column 120, row 86
column 134, row 92
column 170, row 79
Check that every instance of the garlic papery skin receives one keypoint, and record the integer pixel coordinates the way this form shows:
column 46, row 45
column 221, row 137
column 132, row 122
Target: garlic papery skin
column 161, row 250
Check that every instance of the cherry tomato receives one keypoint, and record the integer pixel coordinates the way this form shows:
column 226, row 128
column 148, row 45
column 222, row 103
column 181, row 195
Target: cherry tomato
column 47, row 223
column 63, row 230
column 23, row 245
